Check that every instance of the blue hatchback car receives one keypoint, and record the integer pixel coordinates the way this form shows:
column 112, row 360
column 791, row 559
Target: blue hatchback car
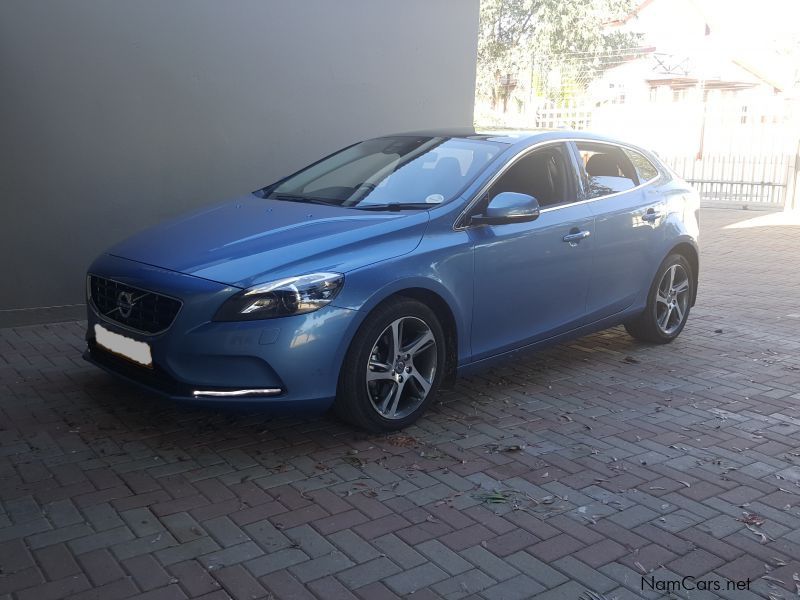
column 371, row 278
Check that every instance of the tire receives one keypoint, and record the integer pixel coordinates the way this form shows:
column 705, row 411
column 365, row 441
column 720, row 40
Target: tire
column 668, row 304
column 373, row 371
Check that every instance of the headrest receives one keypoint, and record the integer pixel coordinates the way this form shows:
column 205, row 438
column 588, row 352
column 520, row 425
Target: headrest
column 602, row 165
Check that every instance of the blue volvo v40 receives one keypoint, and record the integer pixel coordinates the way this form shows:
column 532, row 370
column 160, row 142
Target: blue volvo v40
column 371, row 278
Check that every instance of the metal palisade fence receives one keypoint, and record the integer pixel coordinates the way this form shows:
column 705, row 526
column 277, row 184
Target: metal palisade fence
column 727, row 179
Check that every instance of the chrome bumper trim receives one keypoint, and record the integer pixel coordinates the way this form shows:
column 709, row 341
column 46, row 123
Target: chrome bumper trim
column 237, row 393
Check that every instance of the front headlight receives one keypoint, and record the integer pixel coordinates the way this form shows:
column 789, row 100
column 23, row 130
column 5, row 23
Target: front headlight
column 290, row 296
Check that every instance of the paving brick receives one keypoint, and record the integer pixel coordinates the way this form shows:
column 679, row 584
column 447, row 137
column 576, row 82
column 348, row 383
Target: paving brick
column 55, row 590
column 62, row 513
column 329, row 588
column 147, row 572
column 340, row 521
column 376, row 591
column 378, row 527
column 239, row 583
column 257, row 513
column 276, row 561
column 56, row 536
column 194, row 578
column 463, row 584
column 464, row 538
column 495, row 567
column 267, row 536
column 141, row 521
column 309, row 541
column 520, row 587
column 543, row 573
column 650, row 557
column 186, row 551
column 400, row 552
column 19, row 580
column 741, row 568
column 14, row 556
column 225, row 531
column 631, row 517
column 443, row 557
column 299, row 517
column 663, row 538
column 354, row 546
column 602, row 552
column 696, row 563
column 183, row 526
column 282, row 585
column 567, row 590
column 100, row 566
column 231, row 555
column 368, row 572
column 584, row 574
column 104, row 539
column 171, row 592
column 145, row 545
column 57, row 562
column 21, row 530
column 321, row 566
column 710, row 543
column 102, row 517
column 550, row 550
column 117, row 590
column 417, row 578
column 178, row 505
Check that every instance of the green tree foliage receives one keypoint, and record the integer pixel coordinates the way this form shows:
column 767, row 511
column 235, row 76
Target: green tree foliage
column 561, row 45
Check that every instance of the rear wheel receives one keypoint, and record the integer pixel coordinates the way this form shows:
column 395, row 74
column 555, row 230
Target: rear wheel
column 668, row 303
column 393, row 368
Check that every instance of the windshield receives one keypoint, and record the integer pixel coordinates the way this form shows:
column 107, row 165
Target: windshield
column 411, row 171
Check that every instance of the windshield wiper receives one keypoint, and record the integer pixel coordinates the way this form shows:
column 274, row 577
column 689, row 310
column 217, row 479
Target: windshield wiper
column 299, row 198
column 396, row 206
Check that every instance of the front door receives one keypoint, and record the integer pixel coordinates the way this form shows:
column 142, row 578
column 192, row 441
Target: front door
column 531, row 279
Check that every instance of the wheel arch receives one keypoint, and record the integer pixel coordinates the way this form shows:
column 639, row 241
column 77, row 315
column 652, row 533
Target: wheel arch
column 689, row 252
column 444, row 313
column 446, row 318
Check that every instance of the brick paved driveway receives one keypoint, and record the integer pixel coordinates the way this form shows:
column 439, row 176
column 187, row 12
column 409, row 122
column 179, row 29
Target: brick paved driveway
column 582, row 469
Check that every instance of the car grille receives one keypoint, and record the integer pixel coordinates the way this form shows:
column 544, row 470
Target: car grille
column 141, row 310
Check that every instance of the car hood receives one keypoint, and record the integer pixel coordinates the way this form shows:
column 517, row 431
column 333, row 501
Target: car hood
column 252, row 240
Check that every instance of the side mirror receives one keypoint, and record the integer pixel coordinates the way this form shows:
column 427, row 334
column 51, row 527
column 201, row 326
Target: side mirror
column 508, row 207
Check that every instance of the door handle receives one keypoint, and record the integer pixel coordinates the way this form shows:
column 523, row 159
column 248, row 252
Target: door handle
column 651, row 215
column 575, row 236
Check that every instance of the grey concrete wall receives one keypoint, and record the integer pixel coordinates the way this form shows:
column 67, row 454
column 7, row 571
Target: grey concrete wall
column 117, row 114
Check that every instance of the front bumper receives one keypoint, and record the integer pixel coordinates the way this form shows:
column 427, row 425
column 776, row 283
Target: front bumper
column 292, row 361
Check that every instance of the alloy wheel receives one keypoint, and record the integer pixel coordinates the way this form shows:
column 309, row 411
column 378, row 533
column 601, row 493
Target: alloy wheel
column 401, row 367
column 672, row 299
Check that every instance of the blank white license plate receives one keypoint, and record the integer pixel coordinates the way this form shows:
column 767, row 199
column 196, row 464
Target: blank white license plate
column 133, row 350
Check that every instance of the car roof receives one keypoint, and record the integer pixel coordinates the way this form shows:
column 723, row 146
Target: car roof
column 512, row 137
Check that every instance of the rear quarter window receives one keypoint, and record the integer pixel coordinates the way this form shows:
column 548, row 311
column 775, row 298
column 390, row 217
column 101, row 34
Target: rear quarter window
column 644, row 167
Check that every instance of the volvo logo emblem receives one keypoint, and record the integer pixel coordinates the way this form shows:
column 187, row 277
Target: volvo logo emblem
column 125, row 304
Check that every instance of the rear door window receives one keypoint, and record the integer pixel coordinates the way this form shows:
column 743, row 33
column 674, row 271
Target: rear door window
column 607, row 169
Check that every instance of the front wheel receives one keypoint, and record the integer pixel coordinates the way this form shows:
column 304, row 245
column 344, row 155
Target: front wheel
column 668, row 303
column 393, row 368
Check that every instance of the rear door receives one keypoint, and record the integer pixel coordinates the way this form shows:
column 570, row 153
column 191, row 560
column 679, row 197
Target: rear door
column 628, row 218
